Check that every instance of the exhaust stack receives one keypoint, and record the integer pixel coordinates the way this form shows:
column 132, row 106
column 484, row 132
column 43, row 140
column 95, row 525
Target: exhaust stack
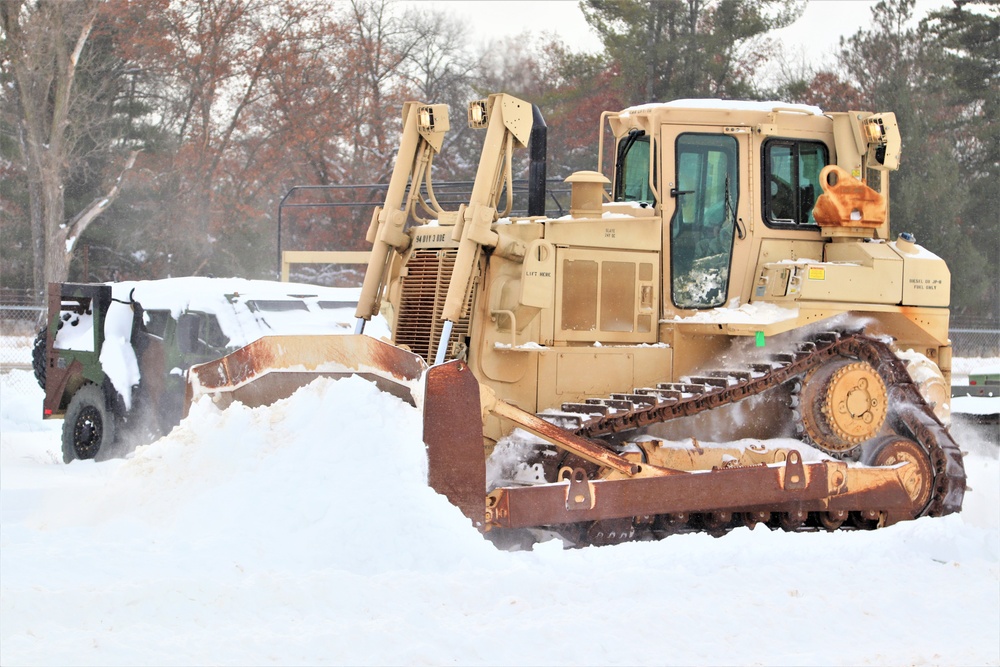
column 536, row 167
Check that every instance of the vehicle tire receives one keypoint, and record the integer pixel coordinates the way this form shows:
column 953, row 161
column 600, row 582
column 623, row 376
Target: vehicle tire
column 38, row 356
column 89, row 425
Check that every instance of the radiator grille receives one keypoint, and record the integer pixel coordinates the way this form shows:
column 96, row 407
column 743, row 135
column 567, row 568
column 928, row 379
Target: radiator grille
column 424, row 289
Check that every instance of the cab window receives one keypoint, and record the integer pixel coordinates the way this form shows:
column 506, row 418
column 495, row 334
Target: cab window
column 791, row 181
column 156, row 322
column 632, row 169
column 200, row 334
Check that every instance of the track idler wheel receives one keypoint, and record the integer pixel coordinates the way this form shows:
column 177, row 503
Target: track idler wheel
column 844, row 403
column 671, row 524
column 917, row 476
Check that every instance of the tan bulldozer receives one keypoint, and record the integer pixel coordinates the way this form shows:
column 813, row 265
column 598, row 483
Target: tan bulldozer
column 721, row 332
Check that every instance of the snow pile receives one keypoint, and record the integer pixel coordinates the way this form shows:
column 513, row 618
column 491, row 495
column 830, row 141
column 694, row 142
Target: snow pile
column 760, row 313
column 289, row 484
column 304, row 533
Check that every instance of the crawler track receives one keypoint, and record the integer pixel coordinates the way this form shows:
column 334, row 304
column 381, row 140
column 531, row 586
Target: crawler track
column 909, row 417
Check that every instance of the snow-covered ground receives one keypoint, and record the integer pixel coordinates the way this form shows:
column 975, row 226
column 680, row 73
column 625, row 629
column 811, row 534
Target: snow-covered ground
column 304, row 533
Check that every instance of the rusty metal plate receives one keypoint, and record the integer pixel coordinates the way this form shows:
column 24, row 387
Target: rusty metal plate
column 453, row 434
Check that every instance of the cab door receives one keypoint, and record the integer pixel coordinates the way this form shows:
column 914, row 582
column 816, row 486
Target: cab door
column 701, row 203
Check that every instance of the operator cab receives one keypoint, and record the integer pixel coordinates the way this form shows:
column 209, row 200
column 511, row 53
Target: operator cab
column 710, row 154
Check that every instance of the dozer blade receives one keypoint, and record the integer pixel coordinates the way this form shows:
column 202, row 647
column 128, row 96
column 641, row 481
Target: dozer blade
column 273, row 367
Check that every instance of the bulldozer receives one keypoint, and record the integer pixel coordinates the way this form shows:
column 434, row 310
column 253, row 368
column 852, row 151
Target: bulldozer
column 721, row 332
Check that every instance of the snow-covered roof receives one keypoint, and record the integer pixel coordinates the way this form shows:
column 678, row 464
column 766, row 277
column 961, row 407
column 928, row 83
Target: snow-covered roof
column 726, row 105
column 246, row 309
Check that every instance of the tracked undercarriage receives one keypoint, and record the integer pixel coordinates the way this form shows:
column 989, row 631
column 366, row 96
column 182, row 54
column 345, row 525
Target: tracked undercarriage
column 875, row 433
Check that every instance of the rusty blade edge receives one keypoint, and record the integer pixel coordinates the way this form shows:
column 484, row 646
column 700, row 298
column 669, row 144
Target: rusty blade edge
column 328, row 354
column 742, row 489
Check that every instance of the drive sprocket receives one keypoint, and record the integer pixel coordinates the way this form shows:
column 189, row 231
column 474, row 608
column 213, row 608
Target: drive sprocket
column 844, row 403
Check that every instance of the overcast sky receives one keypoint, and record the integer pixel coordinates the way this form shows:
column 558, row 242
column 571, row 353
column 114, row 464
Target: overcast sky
column 814, row 36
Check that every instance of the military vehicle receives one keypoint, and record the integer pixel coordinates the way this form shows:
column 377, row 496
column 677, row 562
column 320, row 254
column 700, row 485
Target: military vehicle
column 729, row 276
column 114, row 357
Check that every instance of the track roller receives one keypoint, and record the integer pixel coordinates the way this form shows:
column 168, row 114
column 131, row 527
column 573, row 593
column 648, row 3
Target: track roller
column 791, row 521
column 832, row 520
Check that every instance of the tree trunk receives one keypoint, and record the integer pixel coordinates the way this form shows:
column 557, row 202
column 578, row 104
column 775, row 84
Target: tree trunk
column 54, row 211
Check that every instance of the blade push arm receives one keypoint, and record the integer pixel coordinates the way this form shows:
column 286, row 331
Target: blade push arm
column 424, row 127
column 508, row 121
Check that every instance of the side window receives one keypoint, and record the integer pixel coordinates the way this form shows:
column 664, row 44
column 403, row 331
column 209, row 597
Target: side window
column 212, row 334
column 701, row 230
column 156, row 322
column 632, row 169
column 200, row 334
column 791, row 181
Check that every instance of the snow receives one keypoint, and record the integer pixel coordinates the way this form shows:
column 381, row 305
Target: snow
column 913, row 251
column 117, row 358
column 761, row 313
column 77, row 333
column 976, row 405
column 531, row 345
column 726, row 105
column 305, row 533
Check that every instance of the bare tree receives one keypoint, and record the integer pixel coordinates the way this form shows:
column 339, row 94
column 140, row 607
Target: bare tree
column 43, row 52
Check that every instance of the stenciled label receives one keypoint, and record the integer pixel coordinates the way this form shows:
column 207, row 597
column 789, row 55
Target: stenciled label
column 432, row 238
column 926, row 283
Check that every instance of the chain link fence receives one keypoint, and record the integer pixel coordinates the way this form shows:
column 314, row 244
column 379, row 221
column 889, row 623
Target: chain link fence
column 975, row 339
column 20, row 320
